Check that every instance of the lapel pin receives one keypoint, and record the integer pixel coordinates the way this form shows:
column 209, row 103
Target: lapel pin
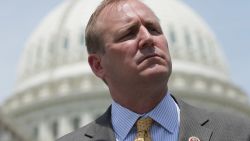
column 193, row 138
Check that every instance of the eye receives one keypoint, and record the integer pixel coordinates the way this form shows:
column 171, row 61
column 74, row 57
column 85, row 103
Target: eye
column 154, row 29
column 129, row 34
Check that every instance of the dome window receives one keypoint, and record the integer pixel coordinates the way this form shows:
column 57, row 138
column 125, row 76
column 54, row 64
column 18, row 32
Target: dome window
column 66, row 43
column 75, row 123
column 35, row 132
column 200, row 41
column 201, row 46
column 55, row 129
column 187, row 39
column 82, row 40
column 172, row 36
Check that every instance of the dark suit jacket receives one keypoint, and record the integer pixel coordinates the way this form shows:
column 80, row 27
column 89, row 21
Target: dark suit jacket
column 207, row 126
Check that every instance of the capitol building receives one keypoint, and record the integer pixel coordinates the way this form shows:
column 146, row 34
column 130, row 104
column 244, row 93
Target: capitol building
column 56, row 91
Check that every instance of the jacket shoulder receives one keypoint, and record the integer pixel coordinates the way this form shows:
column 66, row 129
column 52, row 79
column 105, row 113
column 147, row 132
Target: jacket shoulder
column 230, row 121
column 230, row 126
column 223, row 126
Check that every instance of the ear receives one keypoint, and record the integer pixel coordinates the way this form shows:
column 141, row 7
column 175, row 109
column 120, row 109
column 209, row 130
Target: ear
column 96, row 65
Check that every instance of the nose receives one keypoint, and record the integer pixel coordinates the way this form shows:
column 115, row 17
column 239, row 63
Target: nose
column 146, row 39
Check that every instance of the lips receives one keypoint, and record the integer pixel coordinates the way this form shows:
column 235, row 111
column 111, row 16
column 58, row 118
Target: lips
column 145, row 57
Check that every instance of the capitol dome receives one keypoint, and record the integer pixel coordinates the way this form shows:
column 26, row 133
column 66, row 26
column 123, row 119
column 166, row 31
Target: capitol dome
column 57, row 92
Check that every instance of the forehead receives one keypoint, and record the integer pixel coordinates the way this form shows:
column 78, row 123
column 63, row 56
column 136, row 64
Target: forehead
column 126, row 11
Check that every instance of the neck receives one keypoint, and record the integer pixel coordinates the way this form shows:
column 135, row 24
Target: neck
column 141, row 101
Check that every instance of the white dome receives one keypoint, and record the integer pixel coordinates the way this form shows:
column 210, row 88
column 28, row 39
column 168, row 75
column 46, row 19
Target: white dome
column 55, row 82
column 59, row 42
column 56, row 48
column 54, row 59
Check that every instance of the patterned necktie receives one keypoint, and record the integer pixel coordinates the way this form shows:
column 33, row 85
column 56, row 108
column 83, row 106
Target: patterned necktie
column 143, row 126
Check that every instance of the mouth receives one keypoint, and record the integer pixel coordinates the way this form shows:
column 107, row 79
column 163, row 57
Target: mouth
column 147, row 57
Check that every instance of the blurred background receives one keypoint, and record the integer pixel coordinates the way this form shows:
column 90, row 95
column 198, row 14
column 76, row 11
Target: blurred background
column 228, row 20
column 47, row 89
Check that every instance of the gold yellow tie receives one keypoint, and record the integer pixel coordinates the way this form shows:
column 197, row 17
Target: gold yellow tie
column 143, row 126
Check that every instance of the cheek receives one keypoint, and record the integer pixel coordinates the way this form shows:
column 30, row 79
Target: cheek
column 130, row 52
column 162, row 44
column 123, row 54
column 117, row 56
column 127, row 49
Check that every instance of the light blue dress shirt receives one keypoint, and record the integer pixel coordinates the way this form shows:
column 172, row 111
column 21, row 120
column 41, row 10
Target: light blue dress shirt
column 166, row 116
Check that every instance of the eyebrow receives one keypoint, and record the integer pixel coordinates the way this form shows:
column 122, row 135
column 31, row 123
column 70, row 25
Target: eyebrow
column 152, row 21
column 134, row 24
column 128, row 27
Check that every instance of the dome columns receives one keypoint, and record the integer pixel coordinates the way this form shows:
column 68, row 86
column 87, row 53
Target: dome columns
column 64, row 126
column 45, row 132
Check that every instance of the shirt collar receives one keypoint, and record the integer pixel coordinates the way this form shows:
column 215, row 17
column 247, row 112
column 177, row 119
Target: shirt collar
column 120, row 114
column 166, row 113
column 166, row 117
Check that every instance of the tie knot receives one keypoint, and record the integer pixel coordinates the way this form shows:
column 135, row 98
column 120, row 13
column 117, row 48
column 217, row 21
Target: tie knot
column 144, row 124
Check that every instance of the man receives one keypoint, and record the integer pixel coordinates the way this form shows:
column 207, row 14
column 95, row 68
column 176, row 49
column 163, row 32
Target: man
column 129, row 52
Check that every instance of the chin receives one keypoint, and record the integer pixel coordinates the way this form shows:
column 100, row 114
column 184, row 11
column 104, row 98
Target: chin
column 156, row 71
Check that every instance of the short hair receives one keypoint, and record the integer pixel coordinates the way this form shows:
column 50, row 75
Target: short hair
column 92, row 38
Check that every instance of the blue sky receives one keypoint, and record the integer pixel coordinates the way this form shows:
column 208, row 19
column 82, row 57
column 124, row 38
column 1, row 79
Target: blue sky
column 229, row 19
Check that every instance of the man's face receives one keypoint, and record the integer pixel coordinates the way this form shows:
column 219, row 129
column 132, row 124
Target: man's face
column 135, row 48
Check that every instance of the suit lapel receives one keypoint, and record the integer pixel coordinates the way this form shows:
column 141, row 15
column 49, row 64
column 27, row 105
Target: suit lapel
column 192, row 123
column 102, row 129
